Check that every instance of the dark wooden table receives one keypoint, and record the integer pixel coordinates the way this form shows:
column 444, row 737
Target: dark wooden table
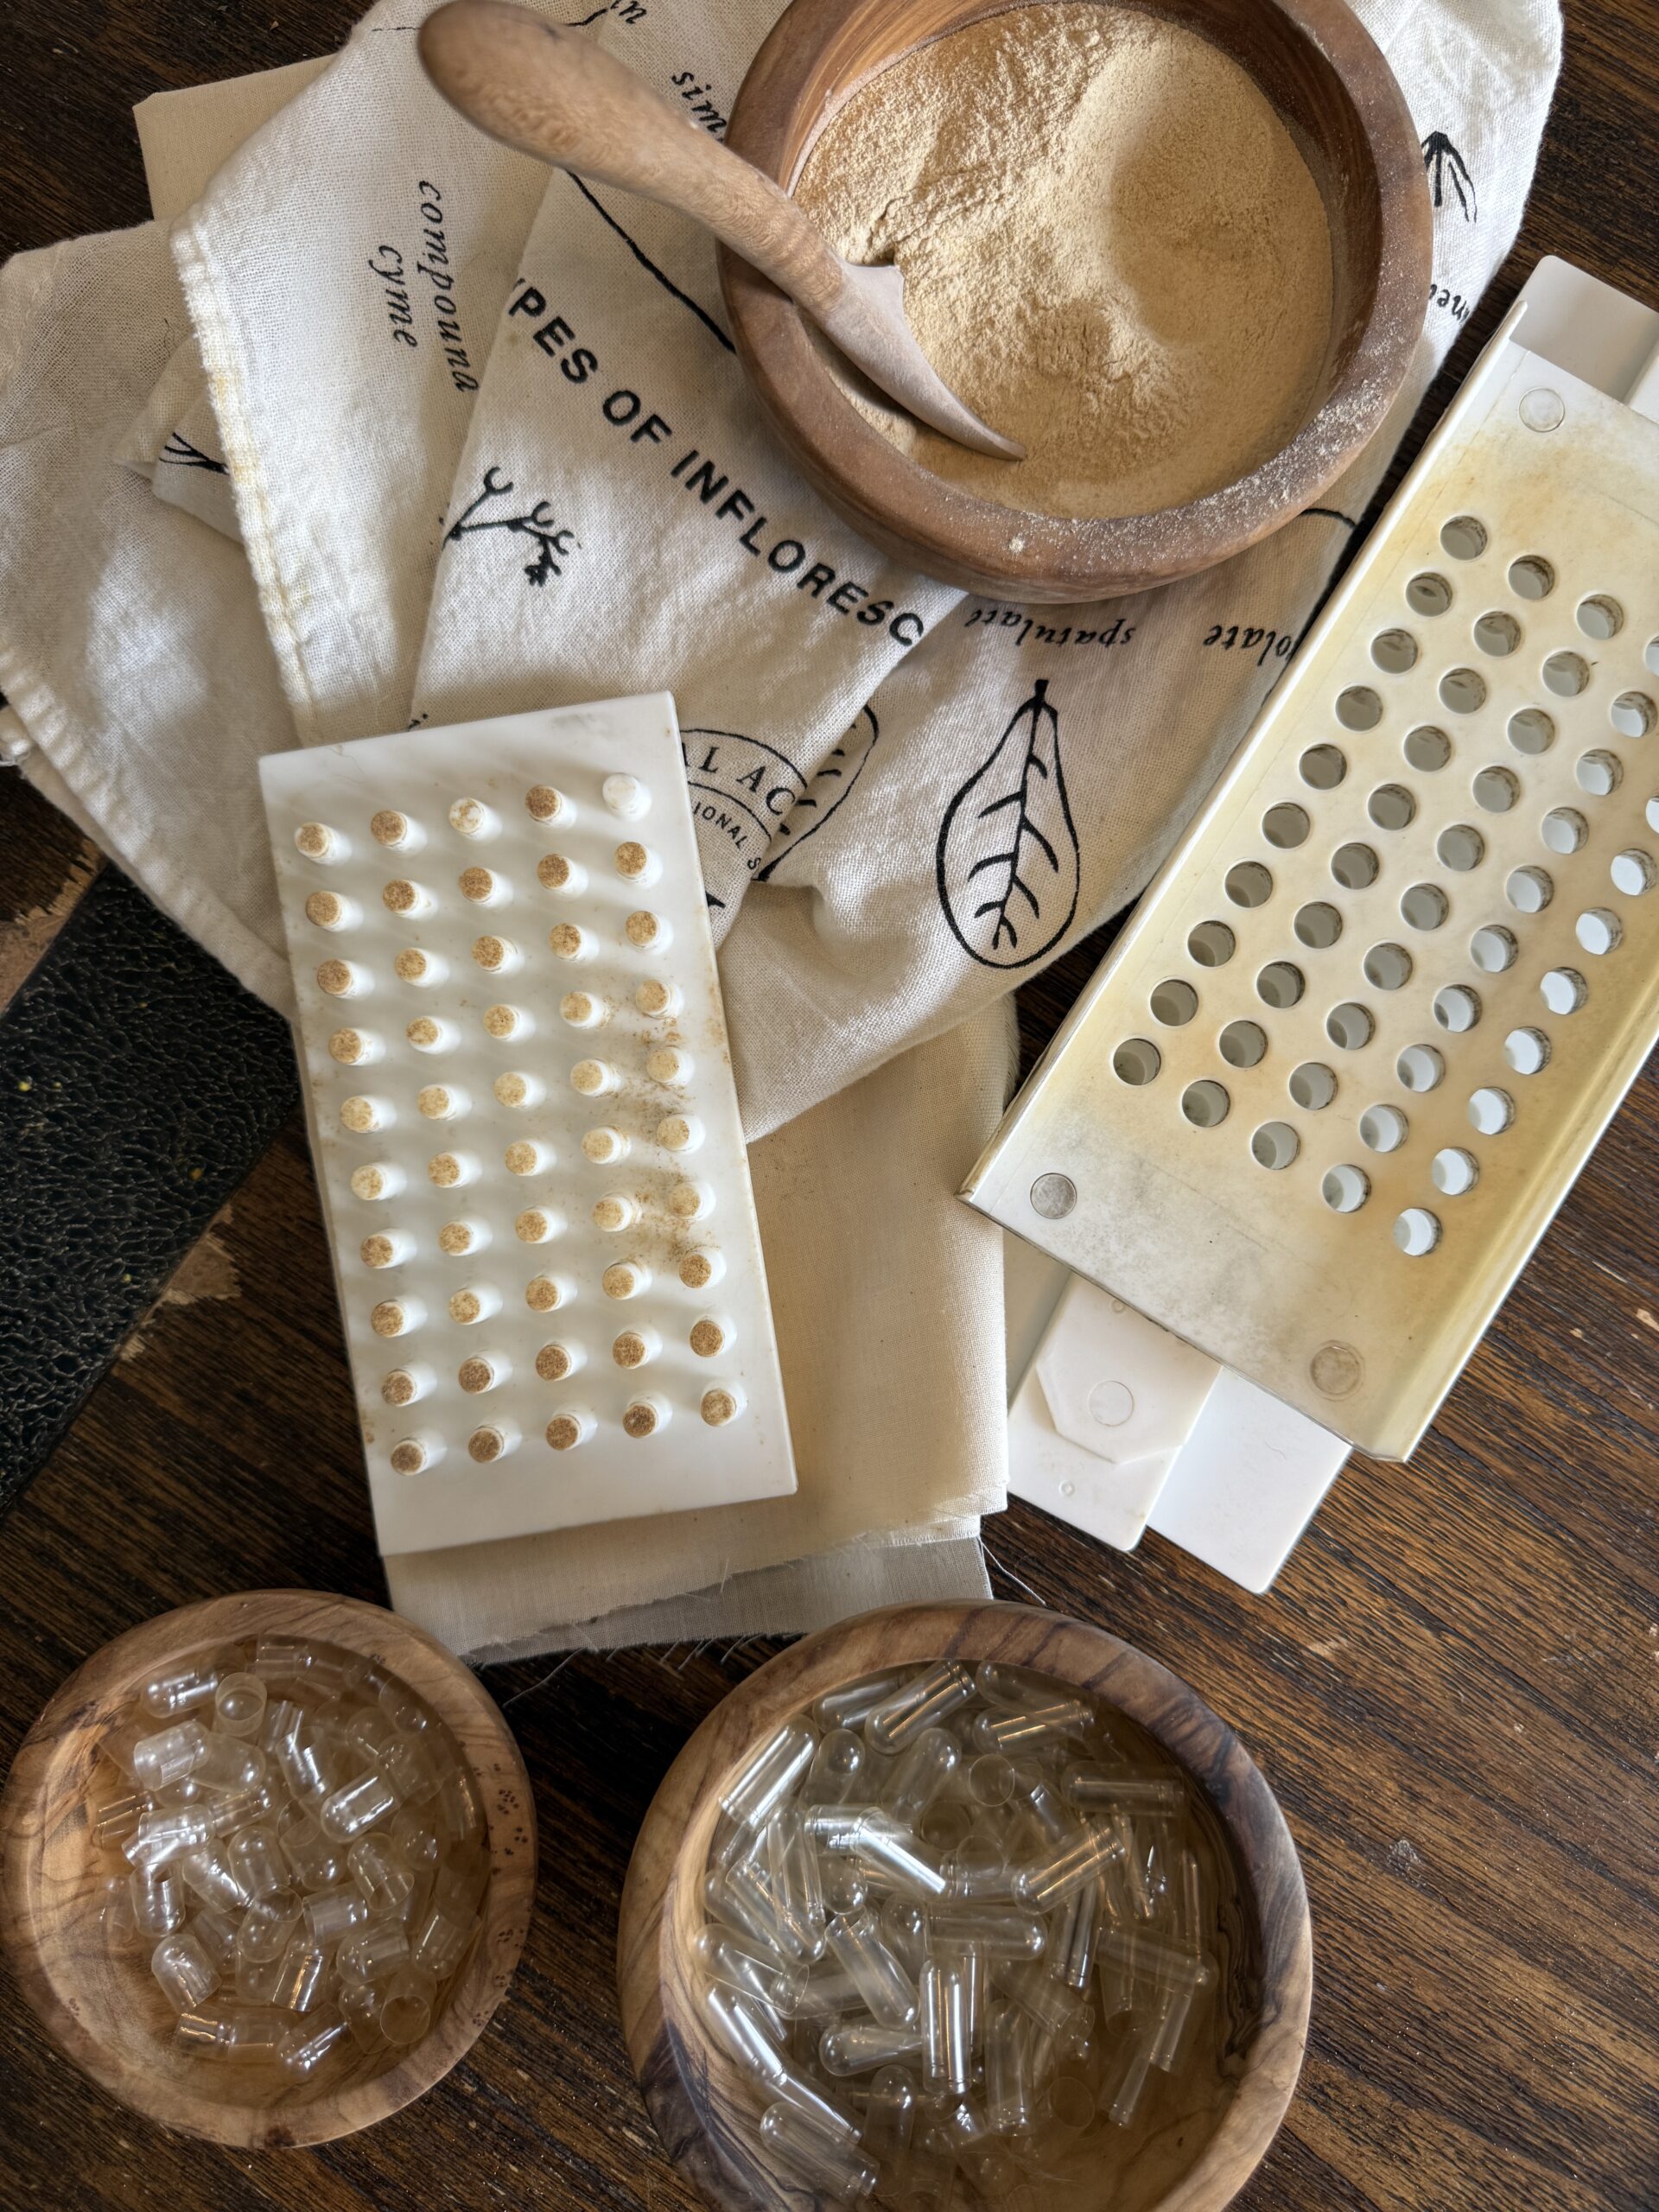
column 1454, row 1688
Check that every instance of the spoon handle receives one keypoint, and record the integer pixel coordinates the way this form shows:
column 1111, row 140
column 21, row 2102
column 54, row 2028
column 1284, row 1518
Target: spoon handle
column 555, row 95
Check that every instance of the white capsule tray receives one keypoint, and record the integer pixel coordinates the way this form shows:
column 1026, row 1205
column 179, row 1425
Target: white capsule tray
column 524, row 1125
column 1343, row 1064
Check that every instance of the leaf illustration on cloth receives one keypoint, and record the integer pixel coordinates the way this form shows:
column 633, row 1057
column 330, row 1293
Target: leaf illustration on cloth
column 831, row 784
column 1007, row 860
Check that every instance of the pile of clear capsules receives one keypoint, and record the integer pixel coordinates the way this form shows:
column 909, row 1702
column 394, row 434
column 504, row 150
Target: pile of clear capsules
column 955, row 1934
column 304, row 1854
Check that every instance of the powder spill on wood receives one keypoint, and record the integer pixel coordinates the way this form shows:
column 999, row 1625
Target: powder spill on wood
column 1111, row 248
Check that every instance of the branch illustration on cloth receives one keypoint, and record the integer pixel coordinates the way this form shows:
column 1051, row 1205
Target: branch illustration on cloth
column 535, row 523
column 1007, row 862
column 1445, row 165
column 178, row 452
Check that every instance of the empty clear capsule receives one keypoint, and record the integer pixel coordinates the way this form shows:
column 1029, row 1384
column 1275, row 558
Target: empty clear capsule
column 833, row 2166
column 357, row 1805
column 181, row 1967
column 235, row 2034
column 921, row 1703
column 156, row 1899
column 918, row 1774
column 1001, row 1931
column 1031, row 1723
column 304, row 2048
column 839, row 1767
column 888, row 1991
column 889, row 2116
column 860, row 2046
column 751, row 1968
column 1126, row 1793
column 405, row 2007
column 850, row 1706
column 1068, row 1865
column 767, row 1777
column 181, row 1687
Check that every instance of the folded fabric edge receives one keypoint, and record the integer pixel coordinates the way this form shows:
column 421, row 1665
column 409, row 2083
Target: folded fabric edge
column 788, row 1600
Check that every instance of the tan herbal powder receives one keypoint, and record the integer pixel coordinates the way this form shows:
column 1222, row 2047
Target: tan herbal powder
column 1111, row 248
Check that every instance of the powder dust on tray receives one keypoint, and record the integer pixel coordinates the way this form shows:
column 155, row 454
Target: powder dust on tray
column 1111, row 247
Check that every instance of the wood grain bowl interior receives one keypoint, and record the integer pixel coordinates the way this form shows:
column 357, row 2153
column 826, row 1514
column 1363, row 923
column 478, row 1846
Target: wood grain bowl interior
column 1197, row 2161
column 1337, row 97
column 100, row 2007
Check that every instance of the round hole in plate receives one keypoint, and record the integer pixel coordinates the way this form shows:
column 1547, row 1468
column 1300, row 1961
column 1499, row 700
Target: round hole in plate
column 1652, row 812
column 1354, row 866
column 1634, row 872
column 1490, row 1110
column 1429, row 594
column 1212, row 945
column 1541, row 408
column 1388, row 966
column 1280, row 985
column 1461, row 847
column 1318, row 926
column 1526, row 1050
column 1601, row 617
column 1463, row 538
column 1394, row 651
column 1420, row 1067
column 1426, row 747
column 1599, row 930
column 1284, row 826
column 1529, row 890
column 1463, row 689
column 1498, row 633
column 1324, row 766
column 1531, row 730
column 1173, row 1002
column 1312, row 1085
column 1564, row 829
column 1566, row 674
column 1205, row 1104
column 1275, row 1144
column 1246, row 883
column 1456, row 1008
column 1416, row 1231
column 1242, row 1044
column 1391, row 806
column 1633, row 713
column 1136, row 1061
column 1493, row 948
column 1349, row 1025
column 1495, row 788
column 1346, row 1189
column 1359, row 707
column 1424, row 905
column 1053, row 1196
column 1531, row 576
column 1385, row 1128
column 1563, row 990
column 1599, row 773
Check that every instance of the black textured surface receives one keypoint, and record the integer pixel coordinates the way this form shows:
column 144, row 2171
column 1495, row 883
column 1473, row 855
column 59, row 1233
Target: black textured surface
column 138, row 1084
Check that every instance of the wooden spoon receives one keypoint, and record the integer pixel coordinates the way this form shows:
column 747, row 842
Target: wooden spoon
column 559, row 96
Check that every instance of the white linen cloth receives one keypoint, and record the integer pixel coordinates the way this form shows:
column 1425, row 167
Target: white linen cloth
column 898, row 1458
column 440, row 515
column 619, row 510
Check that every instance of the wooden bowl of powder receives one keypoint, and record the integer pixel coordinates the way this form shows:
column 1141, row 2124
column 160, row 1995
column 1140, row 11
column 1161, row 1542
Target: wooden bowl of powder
column 1182, row 253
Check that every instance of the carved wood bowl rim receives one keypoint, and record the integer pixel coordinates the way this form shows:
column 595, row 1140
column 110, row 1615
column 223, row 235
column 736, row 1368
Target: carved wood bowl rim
column 46, row 1788
column 661, row 1898
column 996, row 551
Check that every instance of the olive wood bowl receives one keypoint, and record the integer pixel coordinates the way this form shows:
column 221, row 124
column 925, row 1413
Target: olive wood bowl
column 1333, row 88
column 97, row 2007
column 701, row 2105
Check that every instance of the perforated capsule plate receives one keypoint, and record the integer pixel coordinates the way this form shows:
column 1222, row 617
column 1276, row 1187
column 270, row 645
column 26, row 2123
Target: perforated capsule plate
column 543, row 859
column 1337, row 1073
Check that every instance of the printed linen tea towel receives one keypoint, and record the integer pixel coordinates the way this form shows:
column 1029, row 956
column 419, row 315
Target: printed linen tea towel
column 619, row 510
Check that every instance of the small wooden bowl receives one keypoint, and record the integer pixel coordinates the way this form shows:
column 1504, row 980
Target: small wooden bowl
column 95, row 2005
column 700, row 2105
column 1335, row 92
